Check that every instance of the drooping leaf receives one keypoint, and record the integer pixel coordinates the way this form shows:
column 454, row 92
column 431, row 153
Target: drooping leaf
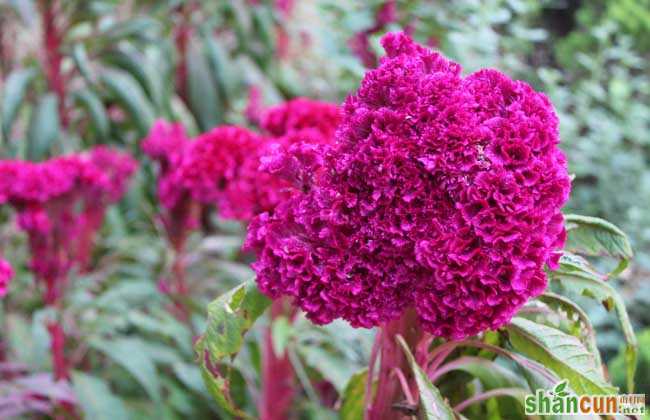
column 221, row 67
column 128, row 92
column 492, row 375
column 575, row 314
column 230, row 316
column 141, row 27
column 562, row 353
column 353, row 397
column 13, row 95
column 133, row 62
column 587, row 284
column 203, row 95
column 132, row 356
column 597, row 237
column 44, row 128
column 432, row 405
column 81, row 61
column 96, row 400
column 96, row 111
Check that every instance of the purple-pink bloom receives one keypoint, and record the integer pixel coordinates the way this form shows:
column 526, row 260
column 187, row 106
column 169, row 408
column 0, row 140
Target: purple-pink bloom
column 61, row 204
column 167, row 144
column 6, row 274
column 440, row 192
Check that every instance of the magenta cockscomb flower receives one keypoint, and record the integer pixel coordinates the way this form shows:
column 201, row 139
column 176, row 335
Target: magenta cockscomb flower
column 167, row 144
column 301, row 129
column 60, row 205
column 6, row 274
column 220, row 168
column 302, row 115
column 441, row 193
column 105, row 174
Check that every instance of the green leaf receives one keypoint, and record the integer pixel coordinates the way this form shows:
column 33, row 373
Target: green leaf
column 96, row 111
column 128, row 92
column 13, row 95
column 353, row 397
column 132, row 356
column 202, row 92
column 575, row 314
column 562, row 353
column 432, row 404
column 492, row 375
column 221, row 67
column 281, row 332
column 587, row 284
column 597, row 237
column 96, row 399
column 230, row 316
column 44, row 129
column 139, row 27
column 81, row 61
column 332, row 365
column 133, row 62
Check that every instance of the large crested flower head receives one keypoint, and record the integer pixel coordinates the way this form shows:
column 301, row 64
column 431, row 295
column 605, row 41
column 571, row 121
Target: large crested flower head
column 441, row 193
column 6, row 273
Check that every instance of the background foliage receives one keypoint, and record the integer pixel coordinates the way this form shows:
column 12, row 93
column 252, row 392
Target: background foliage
column 78, row 73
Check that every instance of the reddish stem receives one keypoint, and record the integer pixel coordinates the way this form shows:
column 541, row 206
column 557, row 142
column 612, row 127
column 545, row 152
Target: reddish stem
column 57, row 347
column 52, row 39
column 278, row 385
column 182, row 34
column 389, row 389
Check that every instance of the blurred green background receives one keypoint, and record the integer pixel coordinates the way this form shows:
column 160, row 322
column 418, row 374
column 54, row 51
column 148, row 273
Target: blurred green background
column 78, row 73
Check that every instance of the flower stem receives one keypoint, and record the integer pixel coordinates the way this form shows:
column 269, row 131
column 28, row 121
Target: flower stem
column 389, row 387
column 278, row 387
column 52, row 38
column 57, row 348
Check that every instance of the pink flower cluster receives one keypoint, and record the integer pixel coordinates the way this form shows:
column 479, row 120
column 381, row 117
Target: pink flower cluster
column 6, row 273
column 221, row 167
column 167, row 144
column 441, row 193
column 61, row 204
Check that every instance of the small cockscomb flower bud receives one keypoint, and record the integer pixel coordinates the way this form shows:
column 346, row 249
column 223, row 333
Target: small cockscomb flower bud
column 441, row 193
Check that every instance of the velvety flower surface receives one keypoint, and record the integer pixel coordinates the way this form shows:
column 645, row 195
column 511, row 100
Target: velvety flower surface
column 441, row 193
column 221, row 166
column 6, row 273
column 302, row 115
